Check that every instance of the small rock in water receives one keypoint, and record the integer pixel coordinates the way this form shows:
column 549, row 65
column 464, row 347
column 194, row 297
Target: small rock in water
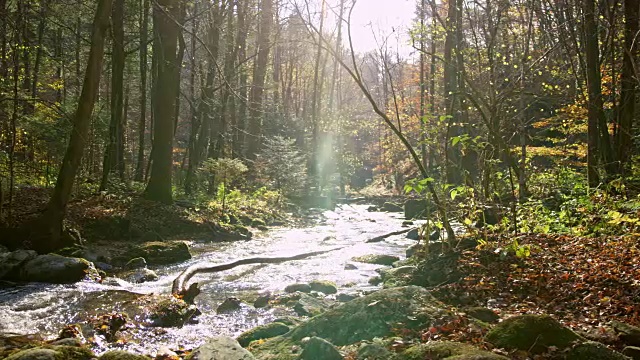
column 143, row 275
column 165, row 353
column 262, row 301
column 305, row 288
column 350, row 267
column 121, row 355
column 262, row 332
column 387, row 260
column 230, row 305
column 136, row 263
column 309, row 306
column 407, row 223
column 413, row 234
column 346, row 297
column 323, row 286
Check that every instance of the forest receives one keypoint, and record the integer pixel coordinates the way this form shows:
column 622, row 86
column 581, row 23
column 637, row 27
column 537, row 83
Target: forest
column 272, row 179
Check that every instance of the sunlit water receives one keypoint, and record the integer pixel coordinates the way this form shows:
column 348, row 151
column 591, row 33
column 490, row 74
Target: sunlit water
column 45, row 309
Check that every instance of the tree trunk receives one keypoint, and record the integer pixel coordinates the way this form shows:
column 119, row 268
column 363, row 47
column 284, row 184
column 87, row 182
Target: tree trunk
column 46, row 235
column 113, row 156
column 629, row 83
column 165, row 43
column 142, row 123
column 259, row 74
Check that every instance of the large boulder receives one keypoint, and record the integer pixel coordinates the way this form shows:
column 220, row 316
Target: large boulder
column 220, row 348
column 305, row 288
column 262, row 332
column 628, row 334
column 376, row 259
column 391, row 207
column 438, row 350
column 57, row 269
column 533, row 333
column 367, row 317
column 399, row 276
column 11, row 262
column 162, row 253
column 317, row 348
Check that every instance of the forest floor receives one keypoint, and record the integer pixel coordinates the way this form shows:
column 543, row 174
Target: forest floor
column 586, row 283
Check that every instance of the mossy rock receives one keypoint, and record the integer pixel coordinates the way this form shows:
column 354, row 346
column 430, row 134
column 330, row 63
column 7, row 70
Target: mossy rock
column 399, row 276
column 373, row 352
column 262, row 332
column 593, row 350
column 121, row 355
column 483, row 314
column 170, row 312
column 317, row 348
column 376, row 259
column 450, row 350
column 162, row 253
column 533, row 333
column 305, row 288
column 54, row 353
column 323, row 286
column 365, row 318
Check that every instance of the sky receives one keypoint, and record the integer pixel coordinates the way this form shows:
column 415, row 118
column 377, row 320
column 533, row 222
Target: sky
column 383, row 17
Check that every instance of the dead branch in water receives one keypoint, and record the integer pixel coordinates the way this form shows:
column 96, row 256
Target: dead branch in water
column 180, row 282
column 382, row 237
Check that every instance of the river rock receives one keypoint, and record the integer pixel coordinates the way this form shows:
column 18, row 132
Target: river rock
column 413, row 234
column 365, row 318
column 143, row 275
column 350, row 267
column 58, row 352
column 376, row 259
column 323, row 286
column 305, row 288
column 412, row 250
column 262, row 301
column 136, row 263
column 373, row 352
column 317, row 348
column 229, row 305
column 532, row 333
column 262, row 332
column 53, row 268
column 220, row 348
column 446, row 350
column 121, row 355
column 167, row 311
column 309, row 306
column 344, row 297
column 391, row 207
column 415, row 208
column 162, row 253
column 11, row 262
column 399, row 276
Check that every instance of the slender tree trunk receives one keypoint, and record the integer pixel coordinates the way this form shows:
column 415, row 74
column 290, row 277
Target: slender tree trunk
column 113, row 156
column 259, row 74
column 314, row 170
column 46, row 236
column 241, row 117
column 626, row 107
column 165, row 43
column 142, row 122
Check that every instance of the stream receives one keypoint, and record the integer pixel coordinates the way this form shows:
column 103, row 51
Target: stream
column 45, row 308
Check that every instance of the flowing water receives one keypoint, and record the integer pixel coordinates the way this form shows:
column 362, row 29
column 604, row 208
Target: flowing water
column 45, row 308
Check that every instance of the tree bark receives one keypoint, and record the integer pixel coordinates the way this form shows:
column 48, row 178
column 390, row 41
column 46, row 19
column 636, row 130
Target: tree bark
column 165, row 13
column 142, row 122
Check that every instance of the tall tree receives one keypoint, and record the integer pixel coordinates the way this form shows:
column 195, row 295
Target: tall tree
column 259, row 73
column 46, row 235
column 165, row 43
column 142, row 122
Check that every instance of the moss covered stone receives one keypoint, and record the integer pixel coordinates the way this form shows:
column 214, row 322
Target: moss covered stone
column 53, row 353
column 376, row 259
column 162, row 253
column 534, row 333
column 593, row 350
column 262, row 332
column 438, row 350
column 323, row 286
column 305, row 288
column 365, row 318
column 121, row 355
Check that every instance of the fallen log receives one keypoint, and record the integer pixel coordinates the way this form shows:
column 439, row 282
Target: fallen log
column 382, row 237
column 178, row 288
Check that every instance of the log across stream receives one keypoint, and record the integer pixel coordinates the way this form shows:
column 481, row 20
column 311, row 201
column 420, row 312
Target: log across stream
column 336, row 237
